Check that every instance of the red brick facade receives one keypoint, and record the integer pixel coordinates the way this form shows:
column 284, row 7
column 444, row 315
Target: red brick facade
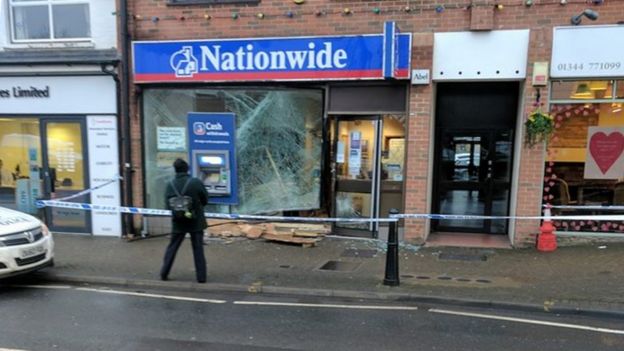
column 155, row 20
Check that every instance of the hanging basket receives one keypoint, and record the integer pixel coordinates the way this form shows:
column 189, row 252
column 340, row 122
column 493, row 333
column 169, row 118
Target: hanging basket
column 539, row 127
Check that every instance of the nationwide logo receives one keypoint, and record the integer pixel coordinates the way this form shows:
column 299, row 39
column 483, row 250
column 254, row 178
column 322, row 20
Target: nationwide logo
column 199, row 128
column 245, row 58
column 183, row 62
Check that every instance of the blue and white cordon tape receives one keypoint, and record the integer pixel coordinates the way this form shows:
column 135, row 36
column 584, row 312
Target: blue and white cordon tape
column 62, row 203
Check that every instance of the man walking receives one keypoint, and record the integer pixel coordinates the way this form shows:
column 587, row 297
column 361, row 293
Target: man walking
column 186, row 197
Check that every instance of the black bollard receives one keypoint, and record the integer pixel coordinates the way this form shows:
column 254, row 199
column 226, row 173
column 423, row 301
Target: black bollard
column 392, row 256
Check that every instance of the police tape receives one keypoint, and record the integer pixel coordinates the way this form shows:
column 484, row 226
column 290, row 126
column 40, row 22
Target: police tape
column 391, row 218
column 158, row 212
column 588, row 207
column 87, row 191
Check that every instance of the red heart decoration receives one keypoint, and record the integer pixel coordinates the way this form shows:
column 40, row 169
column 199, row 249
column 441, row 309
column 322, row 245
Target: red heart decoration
column 547, row 189
column 606, row 149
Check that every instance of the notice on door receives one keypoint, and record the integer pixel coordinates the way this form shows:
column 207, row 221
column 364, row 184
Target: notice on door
column 605, row 153
column 104, row 167
column 355, row 154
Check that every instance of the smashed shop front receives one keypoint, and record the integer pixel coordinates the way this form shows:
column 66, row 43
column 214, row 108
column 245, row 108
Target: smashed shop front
column 278, row 90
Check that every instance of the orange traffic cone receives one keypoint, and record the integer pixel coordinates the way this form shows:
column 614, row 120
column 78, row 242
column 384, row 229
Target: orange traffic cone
column 547, row 241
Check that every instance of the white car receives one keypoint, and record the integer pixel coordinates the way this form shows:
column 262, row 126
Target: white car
column 26, row 244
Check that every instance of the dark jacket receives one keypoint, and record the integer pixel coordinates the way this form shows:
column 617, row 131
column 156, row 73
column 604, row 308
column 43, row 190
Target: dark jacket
column 198, row 193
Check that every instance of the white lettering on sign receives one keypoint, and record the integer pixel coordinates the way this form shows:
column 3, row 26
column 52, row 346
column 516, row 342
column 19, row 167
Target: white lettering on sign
column 214, row 126
column 247, row 59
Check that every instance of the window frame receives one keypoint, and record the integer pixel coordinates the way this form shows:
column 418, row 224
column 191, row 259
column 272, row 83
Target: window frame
column 49, row 4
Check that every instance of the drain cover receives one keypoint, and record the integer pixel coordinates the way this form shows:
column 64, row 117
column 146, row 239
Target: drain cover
column 459, row 257
column 340, row 266
column 359, row 253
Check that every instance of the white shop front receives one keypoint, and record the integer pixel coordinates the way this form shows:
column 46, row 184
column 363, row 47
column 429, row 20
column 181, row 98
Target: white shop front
column 58, row 137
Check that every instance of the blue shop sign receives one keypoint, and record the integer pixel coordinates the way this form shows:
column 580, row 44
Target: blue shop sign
column 377, row 56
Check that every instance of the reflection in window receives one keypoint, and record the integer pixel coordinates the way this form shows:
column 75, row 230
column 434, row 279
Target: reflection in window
column 50, row 19
column 278, row 143
column 20, row 160
column 585, row 162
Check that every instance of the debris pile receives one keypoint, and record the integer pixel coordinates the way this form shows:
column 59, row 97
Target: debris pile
column 304, row 234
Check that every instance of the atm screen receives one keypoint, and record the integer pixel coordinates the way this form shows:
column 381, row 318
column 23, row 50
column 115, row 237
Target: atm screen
column 211, row 160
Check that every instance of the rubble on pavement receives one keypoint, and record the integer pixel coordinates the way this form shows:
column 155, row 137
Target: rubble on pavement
column 304, row 234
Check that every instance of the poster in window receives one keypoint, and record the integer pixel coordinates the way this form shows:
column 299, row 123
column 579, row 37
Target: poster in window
column 171, row 138
column 355, row 154
column 604, row 157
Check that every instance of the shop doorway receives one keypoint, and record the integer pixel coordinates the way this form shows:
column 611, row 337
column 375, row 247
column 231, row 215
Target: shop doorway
column 64, row 172
column 474, row 155
column 367, row 157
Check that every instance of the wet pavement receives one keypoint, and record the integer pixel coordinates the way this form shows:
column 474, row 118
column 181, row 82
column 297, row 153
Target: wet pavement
column 583, row 278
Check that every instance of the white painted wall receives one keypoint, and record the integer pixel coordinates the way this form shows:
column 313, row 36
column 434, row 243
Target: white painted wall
column 103, row 28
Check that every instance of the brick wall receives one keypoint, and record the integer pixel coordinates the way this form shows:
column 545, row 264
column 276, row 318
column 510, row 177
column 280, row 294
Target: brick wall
column 155, row 20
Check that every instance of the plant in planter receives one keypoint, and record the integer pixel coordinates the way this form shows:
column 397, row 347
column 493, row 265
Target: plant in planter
column 539, row 127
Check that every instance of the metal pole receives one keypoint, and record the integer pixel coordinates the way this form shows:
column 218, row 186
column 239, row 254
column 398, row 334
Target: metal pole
column 392, row 255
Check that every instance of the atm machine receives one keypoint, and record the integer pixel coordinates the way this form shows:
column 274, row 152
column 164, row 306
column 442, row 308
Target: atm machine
column 212, row 167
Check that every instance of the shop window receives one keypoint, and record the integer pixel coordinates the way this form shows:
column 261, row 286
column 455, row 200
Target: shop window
column 46, row 20
column 20, row 152
column 619, row 91
column 278, row 143
column 585, row 157
column 582, row 90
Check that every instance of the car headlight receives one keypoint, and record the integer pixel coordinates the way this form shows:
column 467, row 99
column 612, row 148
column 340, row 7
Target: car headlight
column 45, row 230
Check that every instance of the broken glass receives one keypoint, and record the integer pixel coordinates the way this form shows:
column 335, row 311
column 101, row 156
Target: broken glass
column 278, row 143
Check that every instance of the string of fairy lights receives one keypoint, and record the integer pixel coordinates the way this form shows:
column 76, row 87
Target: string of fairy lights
column 301, row 10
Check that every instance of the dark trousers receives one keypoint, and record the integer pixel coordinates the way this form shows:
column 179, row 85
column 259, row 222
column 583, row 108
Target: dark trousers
column 197, row 241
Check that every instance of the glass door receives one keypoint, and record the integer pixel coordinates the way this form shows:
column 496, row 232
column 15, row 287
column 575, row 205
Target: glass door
column 64, row 172
column 473, row 178
column 356, row 173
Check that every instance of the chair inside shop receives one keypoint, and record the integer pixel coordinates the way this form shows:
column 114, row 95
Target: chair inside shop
column 561, row 193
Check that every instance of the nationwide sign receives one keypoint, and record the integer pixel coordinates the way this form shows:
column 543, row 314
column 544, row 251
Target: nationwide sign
column 380, row 56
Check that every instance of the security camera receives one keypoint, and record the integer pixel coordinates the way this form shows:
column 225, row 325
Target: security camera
column 589, row 13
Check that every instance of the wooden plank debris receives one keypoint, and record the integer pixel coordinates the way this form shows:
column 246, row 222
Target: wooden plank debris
column 304, row 234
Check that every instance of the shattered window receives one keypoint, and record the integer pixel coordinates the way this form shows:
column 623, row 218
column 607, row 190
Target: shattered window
column 278, row 143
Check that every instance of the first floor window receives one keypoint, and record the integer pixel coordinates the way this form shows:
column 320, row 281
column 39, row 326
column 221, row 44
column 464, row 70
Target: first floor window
column 49, row 19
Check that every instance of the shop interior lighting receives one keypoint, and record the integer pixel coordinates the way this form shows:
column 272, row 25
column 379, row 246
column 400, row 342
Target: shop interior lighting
column 589, row 13
column 616, row 107
column 598, row 85
column 582, row 92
